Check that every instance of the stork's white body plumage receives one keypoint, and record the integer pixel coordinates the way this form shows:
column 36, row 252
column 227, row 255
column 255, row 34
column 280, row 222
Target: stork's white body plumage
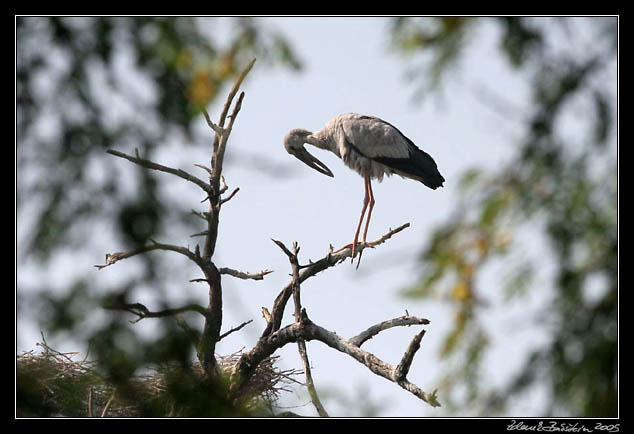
column 371, row 147
column 356, row 139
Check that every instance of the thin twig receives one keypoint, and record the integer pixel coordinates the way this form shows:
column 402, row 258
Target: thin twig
column 154, row 166
column 202, row 215
column 225, row 109
column 301, row 346
column 217, row 129
column 143, row 312
column 235, row 329
column 266, row 314
column 219, row 146
column 242, row 274
column 401, row 370
column 205, row 168
column 112, row 258
column 283, row 247
column 372, row 331
column 223, row 185
column 228, row 198
column 219, row 152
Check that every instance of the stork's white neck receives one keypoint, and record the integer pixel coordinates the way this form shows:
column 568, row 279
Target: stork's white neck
column 321, row 140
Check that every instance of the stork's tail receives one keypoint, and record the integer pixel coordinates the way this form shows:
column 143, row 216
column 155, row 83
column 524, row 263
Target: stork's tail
column 419, row 166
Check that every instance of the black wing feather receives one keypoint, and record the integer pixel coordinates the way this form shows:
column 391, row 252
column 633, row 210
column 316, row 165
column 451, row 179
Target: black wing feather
column 420, row 165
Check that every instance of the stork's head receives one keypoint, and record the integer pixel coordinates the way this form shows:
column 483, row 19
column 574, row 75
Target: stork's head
column 294, row 144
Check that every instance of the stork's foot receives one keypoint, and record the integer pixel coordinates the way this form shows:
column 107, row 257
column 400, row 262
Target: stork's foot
column 359, row 261
column 347, row 246
column 352, row 246
column 360, row 253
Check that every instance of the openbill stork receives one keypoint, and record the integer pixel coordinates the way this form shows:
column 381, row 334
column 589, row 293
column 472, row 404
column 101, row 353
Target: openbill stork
column 371, row 147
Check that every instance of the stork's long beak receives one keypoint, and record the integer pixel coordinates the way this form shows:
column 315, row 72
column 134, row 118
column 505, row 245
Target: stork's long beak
column 305, row 156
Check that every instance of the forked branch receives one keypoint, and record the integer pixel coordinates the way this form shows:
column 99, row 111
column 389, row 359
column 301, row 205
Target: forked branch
column 312, row 268
column 303, row 329
column 307, row 330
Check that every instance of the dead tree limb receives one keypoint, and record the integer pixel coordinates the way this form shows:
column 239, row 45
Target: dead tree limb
column 112, row 258
column 155, row 166
column 299, row 316
column 207, row 340
column 303, row 329
column 143, row 312
column 401, row 370
column 309, row 270
column 307, row 330
column 234, row 329
column 244, row 275
column 369, row 333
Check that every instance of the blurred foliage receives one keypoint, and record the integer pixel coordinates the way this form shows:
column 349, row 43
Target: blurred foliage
column 85, row 84
column 445, row 35
column 565, row 185
column 135, row 81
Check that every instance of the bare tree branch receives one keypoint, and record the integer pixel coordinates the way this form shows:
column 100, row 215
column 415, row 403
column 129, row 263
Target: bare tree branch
column 303, row 330
column 312, row 391
column 112, row 258
column 300, row 315
column 243, row 275
column 369, row 333
column 235, row 329
column 215, row 202
column 143, row 312
column 202, row 215
column 225, row 109
column 213, row 323
column 154, row 166
column 368, row 359
column 401, row 370
column 307, row 330
column 217, row 129
column 331, row 259
column 205, row 168
column 228, row 198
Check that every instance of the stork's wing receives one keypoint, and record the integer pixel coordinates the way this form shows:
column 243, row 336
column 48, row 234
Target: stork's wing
column 384, row 143
column 373, row 137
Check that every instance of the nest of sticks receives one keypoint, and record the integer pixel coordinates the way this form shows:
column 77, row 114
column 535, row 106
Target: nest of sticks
column 52, row 383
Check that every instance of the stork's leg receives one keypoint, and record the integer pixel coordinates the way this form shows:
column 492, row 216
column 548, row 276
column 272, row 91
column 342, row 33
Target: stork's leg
column 366, row 201
column 371, row 203
column 370, row 195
